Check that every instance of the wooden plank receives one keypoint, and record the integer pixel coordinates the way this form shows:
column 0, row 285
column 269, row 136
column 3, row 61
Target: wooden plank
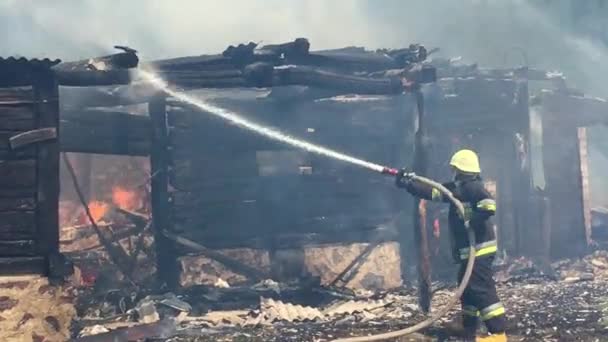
column 93, row 78
column 584, row 172
column 16, row 225
column 563, row 188
column 17, row 248
column 571, row 110
column 166, row 251
column 6, row 152
column 47, row 213
column 24, row 139
column 21, row 203
column 18, row 173
column 324, row 234
column 22, row 265
column 17, row 192
column 79, row 142
column 17, row 117
column 421, row 161
column 110, row 124
column 105, row 133
column 16, row 95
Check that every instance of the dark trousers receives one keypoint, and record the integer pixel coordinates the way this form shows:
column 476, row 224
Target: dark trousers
column 479, row 300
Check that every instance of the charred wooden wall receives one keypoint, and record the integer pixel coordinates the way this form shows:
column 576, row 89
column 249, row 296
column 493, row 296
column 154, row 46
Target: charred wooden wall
column 232, row 187
column 29, row 175
column 485, row 115
column 565, row 165
column 105, row 132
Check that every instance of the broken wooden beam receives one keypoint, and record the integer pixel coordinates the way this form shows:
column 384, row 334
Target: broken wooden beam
column 166, row 252
column 420, row 231
column 32, row 137
column 121, row 60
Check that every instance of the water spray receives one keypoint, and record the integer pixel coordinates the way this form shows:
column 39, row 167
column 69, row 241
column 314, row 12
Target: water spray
column 276, row 135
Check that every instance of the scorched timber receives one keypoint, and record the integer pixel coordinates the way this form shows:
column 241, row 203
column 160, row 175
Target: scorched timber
column 96, row 131
column 110, row 96
column 93, row 78
column 263, row 75
column 122, row 60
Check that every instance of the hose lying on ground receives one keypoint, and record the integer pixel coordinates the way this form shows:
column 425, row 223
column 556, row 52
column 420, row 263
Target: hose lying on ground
column 455, row 296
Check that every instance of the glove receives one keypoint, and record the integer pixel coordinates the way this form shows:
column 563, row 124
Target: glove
column 404, row 178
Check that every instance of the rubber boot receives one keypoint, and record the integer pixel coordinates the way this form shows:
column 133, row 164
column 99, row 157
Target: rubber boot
column 492, row 338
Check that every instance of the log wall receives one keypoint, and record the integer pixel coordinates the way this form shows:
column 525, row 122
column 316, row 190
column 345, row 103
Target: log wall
column 483, row 115
column 229, row 182
column 29, row 178
column 105, row 132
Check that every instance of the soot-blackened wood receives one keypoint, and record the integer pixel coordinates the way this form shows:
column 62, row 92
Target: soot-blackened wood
column 14, row 96
column 17, row 173
column 112, row 96
column 420, row 232
column 18, row 248
column 93, row 78
column 7, row 153
column 23, row 265
column 122, row 60
column 46, row 93
column 308, row 76
column 19, row 203
column 522, row 179
column 29, row 138
column 17, row 117
column 166, row 251
column 94, row 131
column 17, row 225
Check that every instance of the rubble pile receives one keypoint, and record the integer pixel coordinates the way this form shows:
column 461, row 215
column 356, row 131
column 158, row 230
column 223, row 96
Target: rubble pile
column 563, row 301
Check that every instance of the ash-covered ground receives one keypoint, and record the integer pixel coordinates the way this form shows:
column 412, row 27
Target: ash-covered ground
column 567, row 302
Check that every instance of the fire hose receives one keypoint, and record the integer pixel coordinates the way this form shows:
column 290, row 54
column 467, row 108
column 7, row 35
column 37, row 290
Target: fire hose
column 463, row 283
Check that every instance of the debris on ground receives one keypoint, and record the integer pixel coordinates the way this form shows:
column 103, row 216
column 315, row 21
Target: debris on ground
column 567, row 303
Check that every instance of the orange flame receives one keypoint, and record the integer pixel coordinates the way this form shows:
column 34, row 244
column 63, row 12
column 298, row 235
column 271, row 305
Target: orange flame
column 125, row 199
column 98, row 210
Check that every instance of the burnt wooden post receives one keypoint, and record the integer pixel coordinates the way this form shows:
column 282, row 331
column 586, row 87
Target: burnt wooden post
column 47, row 216
column 522, row 179
column 419, row 212
column 166, row 255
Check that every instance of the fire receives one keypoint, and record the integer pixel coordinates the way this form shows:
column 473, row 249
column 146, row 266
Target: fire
column 125, row 199
column 98, row 210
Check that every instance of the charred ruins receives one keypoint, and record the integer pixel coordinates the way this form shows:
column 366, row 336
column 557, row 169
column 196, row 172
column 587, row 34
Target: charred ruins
column 168, row 212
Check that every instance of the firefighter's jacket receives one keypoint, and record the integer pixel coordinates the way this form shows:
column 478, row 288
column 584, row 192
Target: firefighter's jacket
column 479, row 207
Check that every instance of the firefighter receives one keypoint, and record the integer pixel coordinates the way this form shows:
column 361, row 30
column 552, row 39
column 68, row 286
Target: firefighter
column 480, row 303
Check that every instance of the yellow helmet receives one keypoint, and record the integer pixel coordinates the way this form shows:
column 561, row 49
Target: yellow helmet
column 466, row 161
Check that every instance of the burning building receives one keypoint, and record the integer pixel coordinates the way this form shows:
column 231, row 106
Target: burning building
column 263, row 209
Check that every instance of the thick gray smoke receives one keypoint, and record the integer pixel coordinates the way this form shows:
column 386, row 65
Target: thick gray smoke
column 494, row 33
column 491, row 32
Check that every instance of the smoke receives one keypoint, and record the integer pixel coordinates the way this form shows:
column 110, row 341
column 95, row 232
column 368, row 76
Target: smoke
column 493, row 33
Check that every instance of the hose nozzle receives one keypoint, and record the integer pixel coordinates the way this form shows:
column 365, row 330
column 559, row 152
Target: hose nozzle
column 390, row 171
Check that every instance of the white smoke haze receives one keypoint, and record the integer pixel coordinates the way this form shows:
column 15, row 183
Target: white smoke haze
column 493, row 33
